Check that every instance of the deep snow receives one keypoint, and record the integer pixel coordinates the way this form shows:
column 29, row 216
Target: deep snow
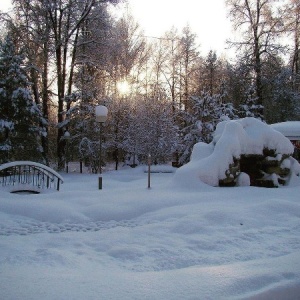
column 168, row 242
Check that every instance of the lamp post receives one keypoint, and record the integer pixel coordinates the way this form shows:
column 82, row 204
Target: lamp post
column 67, row 138
column 101, row 116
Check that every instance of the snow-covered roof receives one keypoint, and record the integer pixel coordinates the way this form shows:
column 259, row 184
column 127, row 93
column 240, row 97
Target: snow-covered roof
column 290, row 129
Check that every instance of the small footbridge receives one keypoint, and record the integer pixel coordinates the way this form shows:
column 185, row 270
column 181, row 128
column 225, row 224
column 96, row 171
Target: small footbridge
column 28, row 176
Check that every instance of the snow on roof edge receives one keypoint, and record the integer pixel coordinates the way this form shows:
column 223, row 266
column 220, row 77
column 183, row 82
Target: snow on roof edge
column 290, row 129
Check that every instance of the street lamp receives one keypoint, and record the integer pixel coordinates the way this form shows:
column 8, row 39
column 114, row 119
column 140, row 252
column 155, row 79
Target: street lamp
column 67, row 136
column 101, row 116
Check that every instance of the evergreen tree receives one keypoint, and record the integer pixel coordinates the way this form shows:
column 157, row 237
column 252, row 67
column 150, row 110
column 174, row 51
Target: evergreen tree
column 20, row 117
column 285, row 100
column 250, row 108
column 205, row 112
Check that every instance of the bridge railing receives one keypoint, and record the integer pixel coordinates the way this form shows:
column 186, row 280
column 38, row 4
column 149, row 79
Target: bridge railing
column 28, row 175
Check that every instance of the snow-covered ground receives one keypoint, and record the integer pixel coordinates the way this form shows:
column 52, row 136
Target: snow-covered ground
column 168, row 242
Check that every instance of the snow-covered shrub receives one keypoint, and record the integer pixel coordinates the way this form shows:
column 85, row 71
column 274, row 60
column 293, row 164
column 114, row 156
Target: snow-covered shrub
column 245, row 145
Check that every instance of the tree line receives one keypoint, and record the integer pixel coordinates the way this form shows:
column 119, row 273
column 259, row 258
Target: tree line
column 61, row 58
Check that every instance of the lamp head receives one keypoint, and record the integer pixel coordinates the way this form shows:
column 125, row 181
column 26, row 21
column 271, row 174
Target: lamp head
column 101, row 113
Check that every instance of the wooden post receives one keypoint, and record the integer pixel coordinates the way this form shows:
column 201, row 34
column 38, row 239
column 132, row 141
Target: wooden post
column 149, row 169
column 100, row 183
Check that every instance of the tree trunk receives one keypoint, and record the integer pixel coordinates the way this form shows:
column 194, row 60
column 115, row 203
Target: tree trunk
column 45, row 100
column 60, row 116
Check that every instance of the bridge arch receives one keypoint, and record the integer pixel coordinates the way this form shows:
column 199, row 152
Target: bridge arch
column 28, row 176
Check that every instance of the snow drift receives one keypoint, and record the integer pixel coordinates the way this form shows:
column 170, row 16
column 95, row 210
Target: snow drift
column 129, row 242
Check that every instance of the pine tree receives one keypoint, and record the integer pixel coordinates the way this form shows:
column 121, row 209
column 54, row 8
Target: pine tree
column 250, row 108
column 20, row 117
column 205, row 112
column 284, row 98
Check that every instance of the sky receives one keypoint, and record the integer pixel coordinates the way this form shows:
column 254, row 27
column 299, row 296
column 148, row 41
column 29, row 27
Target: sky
column 5, row 4
column 207, row 19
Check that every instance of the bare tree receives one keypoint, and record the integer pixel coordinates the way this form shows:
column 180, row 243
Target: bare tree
column 260, row 27
column 171, row 70
column 291, row 16
column 188, row 56
column 66, row 18
column 127, row 49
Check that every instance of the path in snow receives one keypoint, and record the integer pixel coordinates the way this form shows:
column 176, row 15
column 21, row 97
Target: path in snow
column 34, row 227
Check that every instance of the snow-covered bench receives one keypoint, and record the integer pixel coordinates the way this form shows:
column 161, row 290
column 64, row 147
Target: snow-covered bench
column 28, row 176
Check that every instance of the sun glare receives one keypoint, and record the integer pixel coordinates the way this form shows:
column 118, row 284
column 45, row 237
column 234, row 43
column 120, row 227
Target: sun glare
column 123, row 87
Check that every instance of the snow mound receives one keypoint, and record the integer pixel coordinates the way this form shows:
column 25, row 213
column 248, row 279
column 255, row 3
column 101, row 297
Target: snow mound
column 253, row 136
column 210, row 162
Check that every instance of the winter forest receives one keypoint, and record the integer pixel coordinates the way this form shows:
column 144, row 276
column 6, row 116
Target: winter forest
column 61, row 58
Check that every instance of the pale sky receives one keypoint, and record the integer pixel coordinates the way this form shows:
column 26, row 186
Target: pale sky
column 207, row 19
column 4, row 5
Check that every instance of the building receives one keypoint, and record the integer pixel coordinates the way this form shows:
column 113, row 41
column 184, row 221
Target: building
column 290, row 129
